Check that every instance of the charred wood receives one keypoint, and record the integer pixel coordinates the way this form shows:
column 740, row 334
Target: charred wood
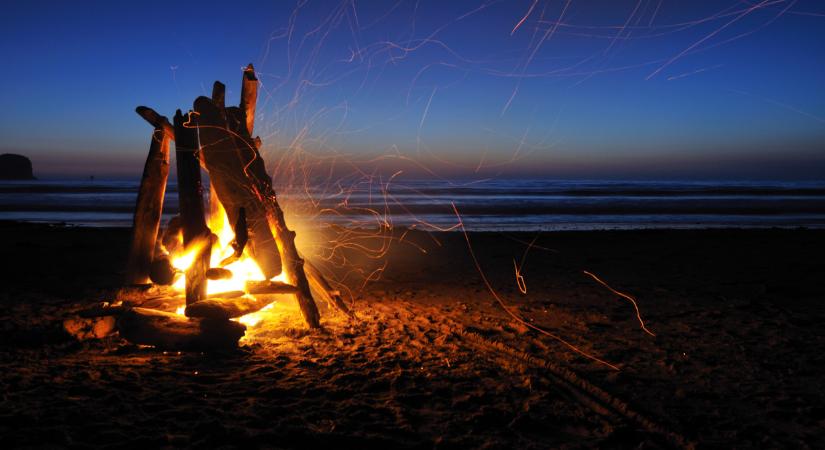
column 162, row 272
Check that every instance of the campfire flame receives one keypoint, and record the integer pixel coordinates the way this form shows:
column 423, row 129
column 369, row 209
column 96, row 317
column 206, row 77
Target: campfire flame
column 244, row 269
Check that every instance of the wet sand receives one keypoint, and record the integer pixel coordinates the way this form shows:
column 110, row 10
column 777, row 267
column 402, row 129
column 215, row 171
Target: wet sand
column 432, row 359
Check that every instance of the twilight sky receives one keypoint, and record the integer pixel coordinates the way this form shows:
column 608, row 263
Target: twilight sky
column 582, row 88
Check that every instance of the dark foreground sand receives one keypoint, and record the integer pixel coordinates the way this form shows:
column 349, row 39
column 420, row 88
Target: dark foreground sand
column 433, row 361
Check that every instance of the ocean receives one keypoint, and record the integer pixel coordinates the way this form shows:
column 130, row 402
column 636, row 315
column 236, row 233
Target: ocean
column 491, row 205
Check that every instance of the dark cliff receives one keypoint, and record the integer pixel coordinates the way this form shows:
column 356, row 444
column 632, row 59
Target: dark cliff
column 15, row 167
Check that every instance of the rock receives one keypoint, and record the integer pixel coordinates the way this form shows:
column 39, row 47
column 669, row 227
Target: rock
column 15, row 167
column 92, row 328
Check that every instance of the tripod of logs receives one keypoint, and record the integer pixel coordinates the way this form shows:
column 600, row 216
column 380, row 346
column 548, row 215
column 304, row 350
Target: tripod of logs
column 218, row 139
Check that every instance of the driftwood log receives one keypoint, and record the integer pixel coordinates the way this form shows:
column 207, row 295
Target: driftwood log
column 270, row 287
column 167, row 330
column 228, row 308
column 249, row 97
column 190, row 195
column 330, row 295
column 162, row 272
column 156, row 120
column 227, row 294
column 295, row 274
column 146, row 221
column 175, row 332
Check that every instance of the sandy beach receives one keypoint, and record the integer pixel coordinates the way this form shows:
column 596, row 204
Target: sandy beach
column 432, row 359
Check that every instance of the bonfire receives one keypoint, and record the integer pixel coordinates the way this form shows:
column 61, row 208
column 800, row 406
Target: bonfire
column 197, row 283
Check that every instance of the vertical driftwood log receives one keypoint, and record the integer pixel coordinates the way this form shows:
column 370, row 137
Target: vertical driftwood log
column 149, row 205
column 263, row 183
column 190, row 194
column 249, row 97
column 219, row 94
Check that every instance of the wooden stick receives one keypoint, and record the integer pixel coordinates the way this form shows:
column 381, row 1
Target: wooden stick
column 228, row 308
column 190, row 194
column 249, row 97
column 219, row 94
column 294, row 265
column 332, row 296
column 149, row 205
column 175, row 332
column 156, row 120
column 227, row 294
column 269, row 287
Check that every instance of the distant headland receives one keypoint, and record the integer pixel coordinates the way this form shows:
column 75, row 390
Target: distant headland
column 15, row 167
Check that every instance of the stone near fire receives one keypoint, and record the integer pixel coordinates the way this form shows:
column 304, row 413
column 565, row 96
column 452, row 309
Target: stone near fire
column 89, row 328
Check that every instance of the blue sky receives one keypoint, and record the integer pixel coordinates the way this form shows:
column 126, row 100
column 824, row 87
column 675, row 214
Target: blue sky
column 578, row 89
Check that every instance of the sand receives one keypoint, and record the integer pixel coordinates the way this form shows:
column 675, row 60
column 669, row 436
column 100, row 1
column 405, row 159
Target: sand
column 432, row 359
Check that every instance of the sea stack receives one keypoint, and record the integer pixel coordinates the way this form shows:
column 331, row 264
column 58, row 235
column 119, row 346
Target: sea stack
column 15, row 167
